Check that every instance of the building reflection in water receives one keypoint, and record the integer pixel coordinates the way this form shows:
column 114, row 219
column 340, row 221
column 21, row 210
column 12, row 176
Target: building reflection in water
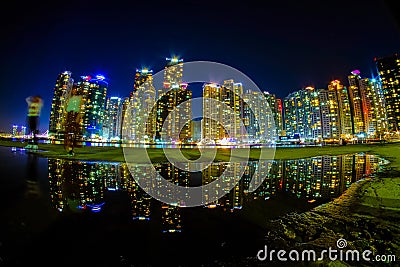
column 82, row 185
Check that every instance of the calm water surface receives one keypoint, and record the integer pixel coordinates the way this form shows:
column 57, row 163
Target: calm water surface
column 69, row 212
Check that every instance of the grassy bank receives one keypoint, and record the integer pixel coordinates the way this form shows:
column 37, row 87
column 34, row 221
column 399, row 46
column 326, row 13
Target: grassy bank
column 390, row 151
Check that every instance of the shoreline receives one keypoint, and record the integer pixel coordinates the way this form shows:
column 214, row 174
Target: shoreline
column 365, row 221
column 116, row 154
column 366, row 215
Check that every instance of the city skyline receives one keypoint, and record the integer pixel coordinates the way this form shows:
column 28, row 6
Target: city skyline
column 282, row 49
column 358, row 108
column 66, row 80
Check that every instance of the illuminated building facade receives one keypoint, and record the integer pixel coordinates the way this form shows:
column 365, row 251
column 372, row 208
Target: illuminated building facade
column 173, row 126
column 302, row 114
column 212, row 129
column 173, row 72
column 94, row 91
column 338, row 113
column 237, row 116
column 357, row 88
column 329, row 112
column 258, row 118
column 377, row 124
column 139, row 119
column 231, row 96
column 196, row 129
column 15, row 130
column 344, row 107
column 125, row 125
column 112, row 119
column 18, row 133
column 62, row 89
column 389, row 73
column 275, row 105
column 368, row 106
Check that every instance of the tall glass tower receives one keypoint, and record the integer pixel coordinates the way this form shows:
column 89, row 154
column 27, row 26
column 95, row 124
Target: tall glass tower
column 389, row 73
column 302, row 114
column 94, row 91
column 173, row 94
column 112, row 118
column 138, row 118
column 357, row 90
column 62, row 89
column 345, row 116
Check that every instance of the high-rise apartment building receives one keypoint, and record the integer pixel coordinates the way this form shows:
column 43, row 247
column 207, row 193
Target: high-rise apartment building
column 357, row 88
column 344, row 106
column 368, row 106
column 172, row 115
column 330, row 121
column 172, row 120
column 229, row 113
column 377, row 121
column 94, row 92
column 231, row 96
column 275, row 104
column 139, row 117
column 112, row 119
column 389, row 73
column 62, row 89
column 302, row 114
column 173, row 73
column 125, row 119
column 212, row 127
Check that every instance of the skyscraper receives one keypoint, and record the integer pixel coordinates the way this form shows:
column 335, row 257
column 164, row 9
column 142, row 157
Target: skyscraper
column 94, row 91
column 232, row 97
column 302, row 114
column 124, row 118
column 330, row 121
column 62, row 89
column 112, row 119
column 212, row 114
column 275, row 105
column 357, row 97
column 377, row 124
column 344, row 105
column 196, row 129
column 169, row 116
column 173, row 73
column 139, row 117
column 368, row 106
column 389, row 73
column 226, row 114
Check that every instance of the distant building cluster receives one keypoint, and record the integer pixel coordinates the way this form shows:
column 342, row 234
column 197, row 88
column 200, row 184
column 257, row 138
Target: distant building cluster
column 18, row 130
column 93, row 107
column 364, row 108
column 367, row 108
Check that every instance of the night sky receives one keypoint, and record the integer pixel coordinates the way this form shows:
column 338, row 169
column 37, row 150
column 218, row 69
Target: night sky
column 282, row 47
